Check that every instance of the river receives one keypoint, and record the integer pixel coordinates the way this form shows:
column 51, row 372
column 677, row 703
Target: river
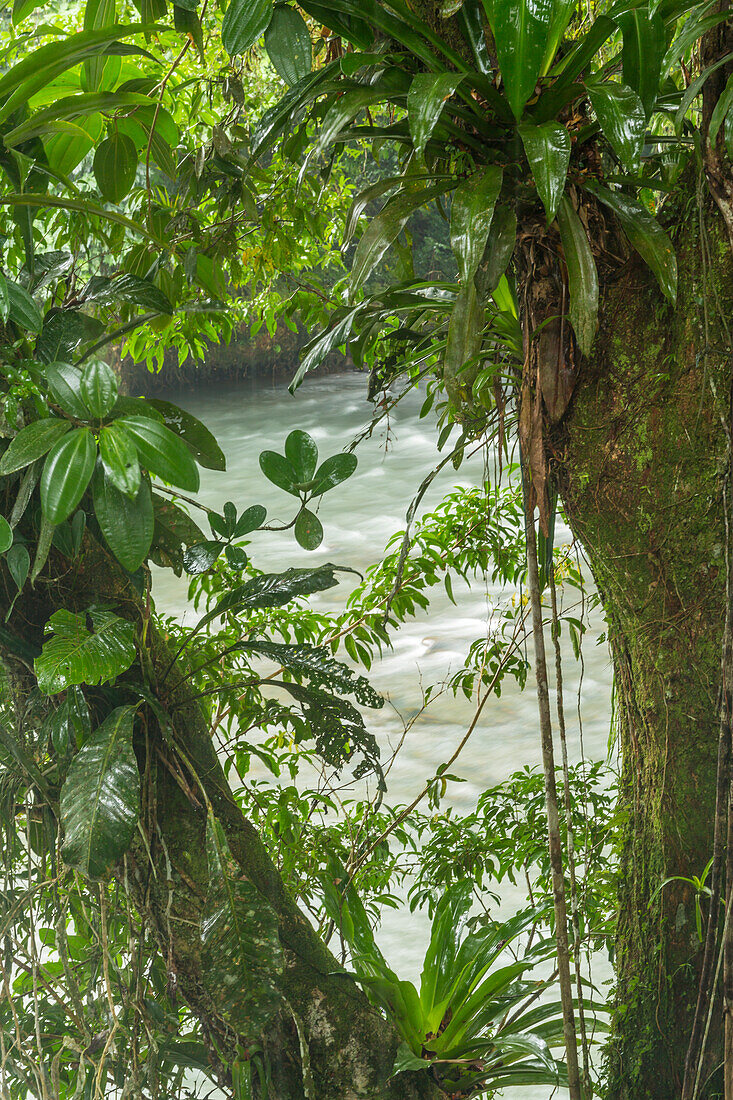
column 358, row 518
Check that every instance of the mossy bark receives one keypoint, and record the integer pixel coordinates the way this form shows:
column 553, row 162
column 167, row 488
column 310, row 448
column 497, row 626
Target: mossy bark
column 640, row 459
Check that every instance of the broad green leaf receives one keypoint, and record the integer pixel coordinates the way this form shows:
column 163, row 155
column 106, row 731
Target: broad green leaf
column 520, row 29
column 645, row 235
column 384, row 229
column 162, row 452
column 236, row 556
column 241, row 954
column 66, row 150
column 128, row 288
column 548, row 152
column 33, row 442
column 97, row 13
column 279, row 471
column 71, row 108
column 470, row 219
column 250, row 520
column 71, row 723
column 645, row 43
column 288, row 44
column 439, row 967
column 23, row 8
column 621, row 115
column 115, row 166
column 471, row 22
column 245, row 21
column 18, row 561
column 201, row 556
column 43, row 547
column 562, row 13
column 4, row 299
column 318, row 664
column 98, row 388
column 332, row 472
column 119, row 458
column 465, row 333
column 63, row 331
column 425, row 100
column 127, row 525
column 66, row 474
column 187, row 22
column 74, row 654
column 174, row 529
column 500, row 245
column 721, row 110
column 582, row 275
column 197, row 437
column 302, row 454
column 22, row 309
column 408, row 1062
column 100, row 799
column 6, row 535
column 64, row 385
column 273, row 590
column 308, row 530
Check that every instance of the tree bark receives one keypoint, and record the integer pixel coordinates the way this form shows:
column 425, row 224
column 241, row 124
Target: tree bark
column 641, row 458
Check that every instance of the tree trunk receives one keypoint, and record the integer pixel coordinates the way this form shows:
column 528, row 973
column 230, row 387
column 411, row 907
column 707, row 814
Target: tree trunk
column 640, row 460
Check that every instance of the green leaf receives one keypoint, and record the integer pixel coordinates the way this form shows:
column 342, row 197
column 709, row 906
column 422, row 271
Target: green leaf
column 332, row 472
column 250, row 520
column 721, row 110
column 500, row 245
column 241, row 954
column 317, row 663
column 43, row 546
column 302, row 454
column 32, row 442
column 197, row 437
column 23, row 8
column 98, row 387
column 186, row 21
column 582, row 275
column 119, row 458
column 127, row 525
column 621, row 115
column 645, row 44
column 128, row 288
column 645, row 235
column 465, row 333
column 273, row 590
column 19, row 563
column 288, row 44
column 408, row 1062
column 470, row 219
column 201, row 556
column 4, row 299
column 520, row 29
column 6, row 535
column 173, row 530
column 97, row 13
column 22, row 309
column 162, row 452
column 72, row 109
column 64, row 385
column 245, row 21
column 70, row 724
column 100, row 799
column 66, row 474
column 425, row 100
column 115, row 166
column 548, row 152
column 73, row 654
column 279, row 471
column 66, row 150
column 308, row 530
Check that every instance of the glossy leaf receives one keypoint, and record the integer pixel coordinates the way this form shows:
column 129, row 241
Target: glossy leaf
column 162, row 452
column 128, row 288
column 119, row 458
column 520, row 29
column 288, row 44
column 721, row 110
column 244, row 22
column 127, row 524
column 500, row 245
column 4, row 299
column 250, row 520
column 582, row 275
column 319, row 665
column 6, row 535
column 332, row 472
column 471, row 214
column 97, row 13
column 241, row 953
column 548, row 152
column 74, row 654
column 22, row 309
column 115, row 166
column 73, row 108
column 621, row 115
column 279, row 471
column 100, row 799
column 273, row 590
column 197, row 437
column 66, row 150
column 471, row 22
column 98, row 387
column 308, row 529
column 18, row 561
column 425, row 100
column 645, row 44
column 33, row 442
column 64, row 385
column 645, row 235
column 66, row 474
column 465, row 332
column 201, row 556
column 562, row 13
column 301, row 452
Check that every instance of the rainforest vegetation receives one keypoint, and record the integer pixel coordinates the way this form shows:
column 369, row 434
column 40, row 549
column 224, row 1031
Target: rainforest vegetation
column 523, row 209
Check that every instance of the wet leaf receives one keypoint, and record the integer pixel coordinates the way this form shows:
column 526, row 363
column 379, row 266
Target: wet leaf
column 470, row 220
column 548, row 152
column 425, row 100
column 621, row 115
column 126, row 523
column 66, row 474
column 74, row 654
column 308, row 530
column 33, row 442
column 582, row 275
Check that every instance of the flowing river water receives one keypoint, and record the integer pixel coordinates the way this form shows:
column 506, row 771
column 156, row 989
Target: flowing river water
column 358, row 518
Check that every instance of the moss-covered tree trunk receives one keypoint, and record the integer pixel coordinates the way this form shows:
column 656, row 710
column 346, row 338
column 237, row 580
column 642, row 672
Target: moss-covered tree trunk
column 641, row 458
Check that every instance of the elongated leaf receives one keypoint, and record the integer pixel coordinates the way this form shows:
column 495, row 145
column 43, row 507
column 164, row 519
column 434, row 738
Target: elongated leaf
column 22, row 309
column 127, row 525
column 97, row 13
column 241, row 953
column 115, row 166
column 308, row 529
column 43, row 547
column 645, row 235
column 66, row 474
column 425, row 100
column 127, row 288
column 288, row 44
column 470, row 20
column 645, row 43
column 325, row 342
column 439, row 969
column 273, row 590
column 119, row 458
column 71, row 108
column 162, row 452
column 520, row 29
column 245, row 21
column 33, row 442
column 98, row 387
column 6, row 535
column 64, row 384
column 562, row 13
column 470, row 220
column 197, row 437
column 721, row 110
column 332, row 472
column 465, row 331
column 100, row 799
column 301, row 452
column 4, row 299
column 548, row 152
column 582, row 275
column 623, row 121
column 317, row 663
column 499, row 249
column 74, row 654
column 66, row 150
